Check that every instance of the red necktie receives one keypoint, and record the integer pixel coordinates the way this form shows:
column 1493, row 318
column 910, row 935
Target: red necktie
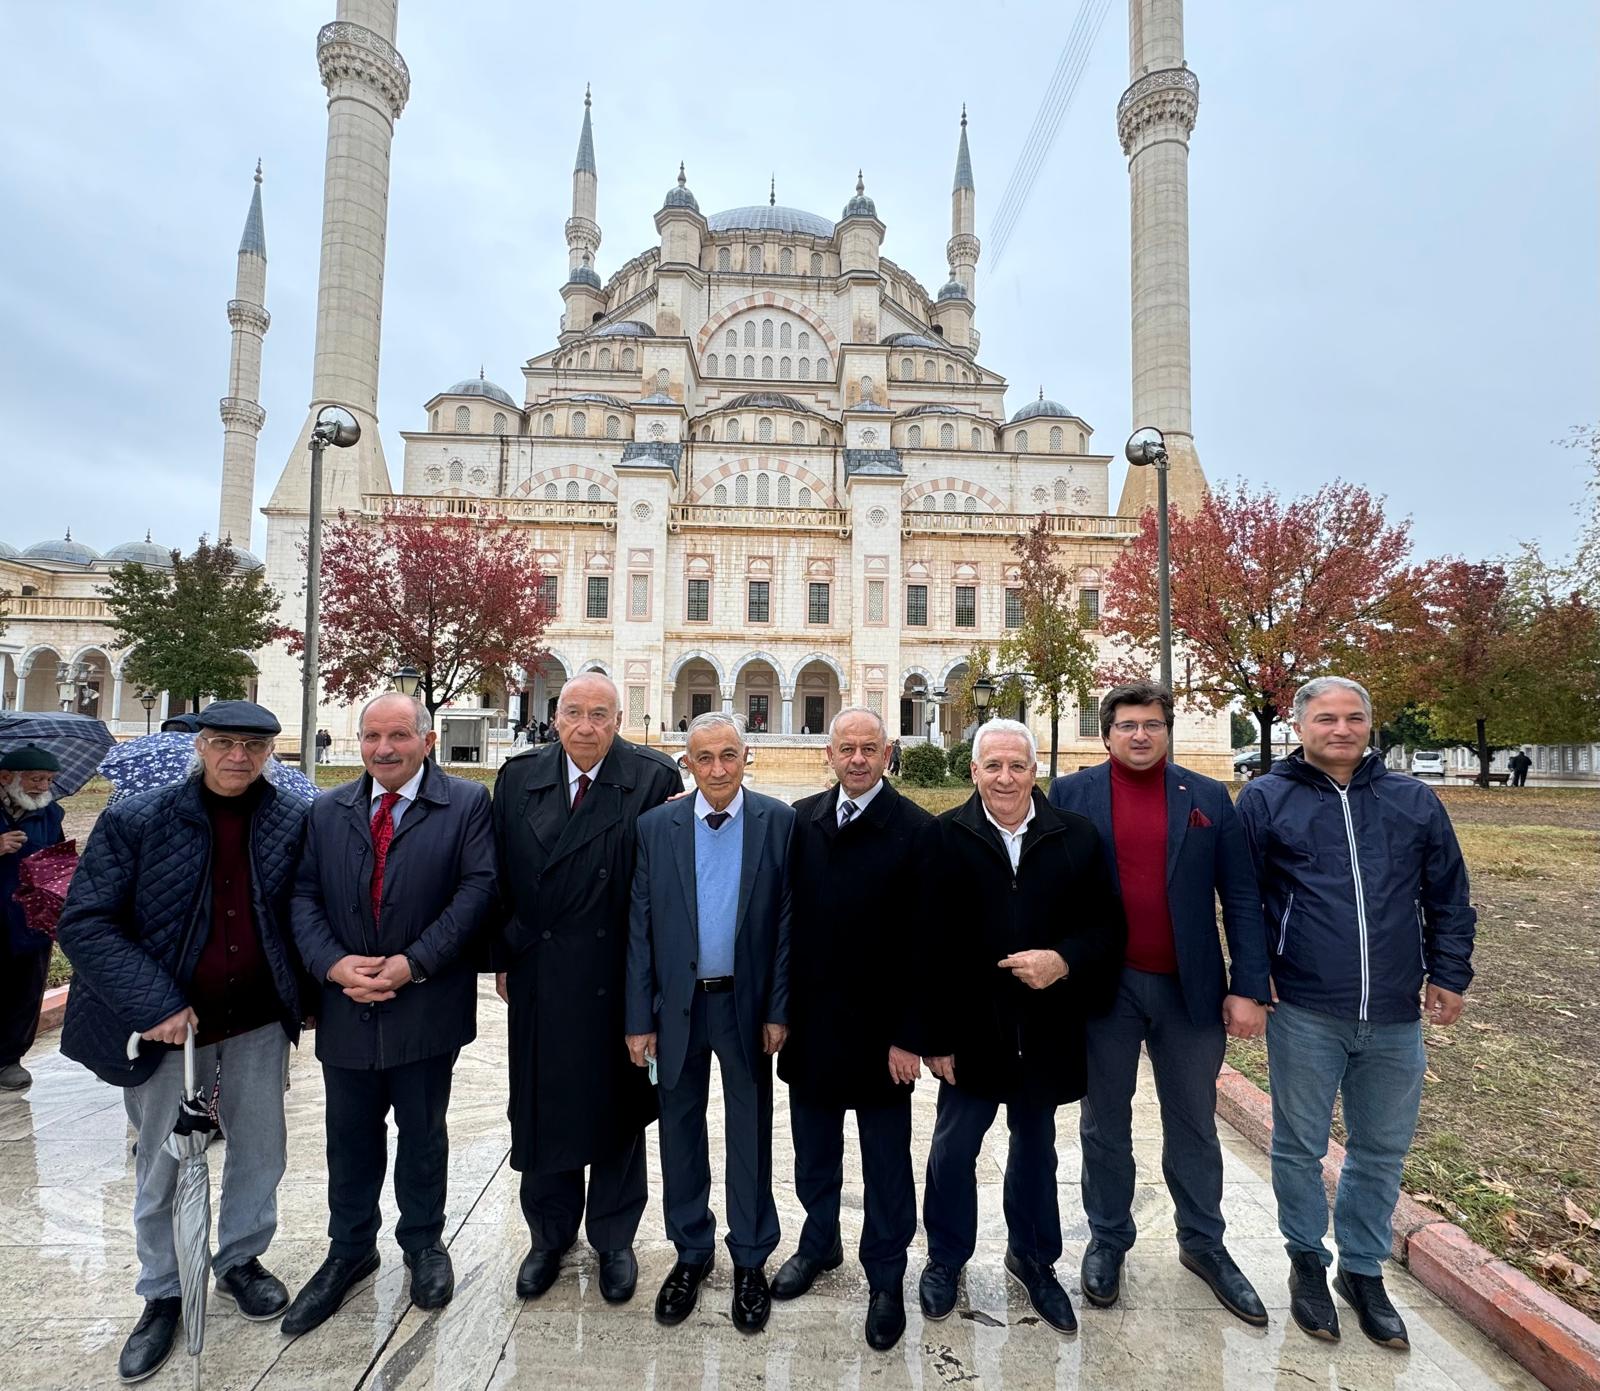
column 585, row 782
column 382, row 834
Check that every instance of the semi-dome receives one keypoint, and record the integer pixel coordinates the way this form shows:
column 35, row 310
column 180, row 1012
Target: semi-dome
column 597, row 397
column 479, row 386
column 146, row 552
column 623, row 328
column 860, row 205
column 953, row 289
column 771, row 218
column 914, row 340
column 935, row 410
column 584, row 275
column 65, row 551
column 1041, row 407
column 679, row 196
column 766, row 400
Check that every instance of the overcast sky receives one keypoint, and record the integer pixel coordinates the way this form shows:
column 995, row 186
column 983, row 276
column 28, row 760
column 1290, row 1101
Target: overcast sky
column 1393, row 224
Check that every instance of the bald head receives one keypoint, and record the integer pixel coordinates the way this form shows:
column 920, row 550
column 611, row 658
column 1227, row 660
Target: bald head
column 587, row 715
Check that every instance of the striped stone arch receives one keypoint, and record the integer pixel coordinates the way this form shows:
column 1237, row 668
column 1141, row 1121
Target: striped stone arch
column 914, row 495
column 698, row 654
column 595, row 664
column 567, row 473
column 923, row 672
column 827, row 661
column 785, row 687
column 113, row 664
column 26, row 660
column 741, row 307
column 767, row 463
column 944, row 676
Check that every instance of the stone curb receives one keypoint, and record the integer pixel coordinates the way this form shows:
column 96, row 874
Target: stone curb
column 53, row 1008
column 1554, row 1341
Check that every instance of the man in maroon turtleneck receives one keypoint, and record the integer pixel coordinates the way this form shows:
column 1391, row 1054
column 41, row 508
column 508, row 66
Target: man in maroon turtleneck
column 1174, row 846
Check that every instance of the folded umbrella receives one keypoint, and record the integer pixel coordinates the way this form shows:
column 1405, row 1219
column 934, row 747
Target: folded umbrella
column 78, row 742
column 43, row 879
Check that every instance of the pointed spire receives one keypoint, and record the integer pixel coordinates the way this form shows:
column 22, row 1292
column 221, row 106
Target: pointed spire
column 861, row 184
column 254, row 239
column 585, row 164
column 69, row 533
column 682, row 181
column 772, row 193
column 1041, row 393
column 963, row 157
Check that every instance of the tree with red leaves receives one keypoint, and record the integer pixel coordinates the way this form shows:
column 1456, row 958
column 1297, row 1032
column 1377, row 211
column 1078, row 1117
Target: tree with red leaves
column 458, row 598
column 1267, row 594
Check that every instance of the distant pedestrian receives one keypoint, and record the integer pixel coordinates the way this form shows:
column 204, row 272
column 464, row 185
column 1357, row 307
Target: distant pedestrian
column 324, row 743
column 30, row 820
column 683, row 724
column 1520, row 763
column 894, row 759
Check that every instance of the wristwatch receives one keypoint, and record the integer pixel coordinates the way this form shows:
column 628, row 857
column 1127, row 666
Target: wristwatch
column 416, row 971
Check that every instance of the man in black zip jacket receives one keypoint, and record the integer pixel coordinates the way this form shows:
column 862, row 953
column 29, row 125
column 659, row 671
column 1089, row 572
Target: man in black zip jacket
column 1027, row 943
column 1364, row 896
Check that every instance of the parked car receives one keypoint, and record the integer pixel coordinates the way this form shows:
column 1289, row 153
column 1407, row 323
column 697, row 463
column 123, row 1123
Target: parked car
column 1427, row 763
column 1247, row 763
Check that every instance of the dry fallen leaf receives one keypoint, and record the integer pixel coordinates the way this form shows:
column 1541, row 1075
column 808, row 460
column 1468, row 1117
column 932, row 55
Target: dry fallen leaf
column 1563, row 1268
column 1430, row 1075
column 1578, row 1217
column 1510, row 1226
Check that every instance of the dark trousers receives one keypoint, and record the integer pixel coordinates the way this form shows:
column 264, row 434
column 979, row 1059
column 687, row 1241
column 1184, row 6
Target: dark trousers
column 1185, row 1058
column 554, row 1203
column 950, row 1196
column 889, row 1218
column 22, row 978
column 747, row 1131
column 359, row 1102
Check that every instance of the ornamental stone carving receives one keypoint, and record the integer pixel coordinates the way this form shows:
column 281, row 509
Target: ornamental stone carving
column 877, row 516
column 642, row 511
column 243, row 314
column 1169, row 97
column 353, row 53
column 963, row 247
column 241, row 414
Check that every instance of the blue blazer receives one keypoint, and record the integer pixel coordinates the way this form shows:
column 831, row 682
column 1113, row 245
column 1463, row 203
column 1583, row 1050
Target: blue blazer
column 664, row 934
column 1204, row 864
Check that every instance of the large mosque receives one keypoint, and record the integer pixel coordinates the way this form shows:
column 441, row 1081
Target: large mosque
column 761, row 467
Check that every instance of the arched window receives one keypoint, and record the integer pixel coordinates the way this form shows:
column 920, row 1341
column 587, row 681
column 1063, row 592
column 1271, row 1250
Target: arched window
column 970, row 505
column 785, row 335
column 547, row 426
column 663, row 380
column 1022, row 440
column 908, row 369
column 930, row 503
column 763, row 490
column 1061, row 490
column 733, row 430
column 914, row 437
column 786, row 261
column 731, row 365
column 947, row 437
column 750, row 334
column 786, row 368
column 627, row 359
column 711, row 365
column 805, row 369
column 753, row 260
column 797, row 433
column 783, row 490
column 930, row 373
column 766, row 367
column 741, row 489
column 822, row 367
column 764, row 429
column 572, row 492
column 580, row 423
column 499, row 422
column 463, row 420
column 949, row 373
column 977, row 438
column 456, row 470
column 816, row 263
column 1056, row 439
column 435, row 422
column 749, row 365
column 766, row 333
column 724, row 259
column 866, row 388
column 720, row 495
column 583, row 360
column 613, row 428
column 1083, row 443
column 604, row 360
column 949, row 502
column 803, row 342
column 594, row 492
column 731, row 339
column 551, row 492
column 805, row 497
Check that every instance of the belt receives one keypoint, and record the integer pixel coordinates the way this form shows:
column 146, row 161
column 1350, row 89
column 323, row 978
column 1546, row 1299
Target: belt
column 714, row 985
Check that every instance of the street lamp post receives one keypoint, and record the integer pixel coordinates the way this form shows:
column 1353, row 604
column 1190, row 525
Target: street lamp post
column 335, row 426
column 647, row 731
column 982, row 694
column 406, row 681
column 1147, row 446
column 66, row 687
column 147, row 698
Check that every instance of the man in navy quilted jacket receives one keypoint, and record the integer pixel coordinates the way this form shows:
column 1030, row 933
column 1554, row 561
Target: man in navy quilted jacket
column 1366, row 907
column 177, row 919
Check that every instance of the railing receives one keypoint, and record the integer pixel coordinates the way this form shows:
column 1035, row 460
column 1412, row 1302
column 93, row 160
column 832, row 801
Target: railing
column 1017, row 524
column 702, row 516
column 43, row 606
column 603, row 514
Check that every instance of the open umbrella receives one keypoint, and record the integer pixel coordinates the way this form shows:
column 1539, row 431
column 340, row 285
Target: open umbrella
column 159, row 760
column 78, row 742
column 191, row 1200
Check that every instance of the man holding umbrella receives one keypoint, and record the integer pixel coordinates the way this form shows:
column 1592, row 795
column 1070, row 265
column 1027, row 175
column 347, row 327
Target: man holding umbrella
column 177, row 919
column 30, row 819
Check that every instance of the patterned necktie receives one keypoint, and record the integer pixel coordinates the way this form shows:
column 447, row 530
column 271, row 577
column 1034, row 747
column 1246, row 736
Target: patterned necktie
column 716, row 819
column 846, row 811
column 585, row 782
column 382, row 834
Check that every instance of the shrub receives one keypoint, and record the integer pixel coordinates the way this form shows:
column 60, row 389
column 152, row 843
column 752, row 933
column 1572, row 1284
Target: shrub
column 961, row 762
column 923, row 765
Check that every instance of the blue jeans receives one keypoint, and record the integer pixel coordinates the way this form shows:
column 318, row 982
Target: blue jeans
column 1378, row 1069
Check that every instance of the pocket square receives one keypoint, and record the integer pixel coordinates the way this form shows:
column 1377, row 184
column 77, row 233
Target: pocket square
column 1199, row 818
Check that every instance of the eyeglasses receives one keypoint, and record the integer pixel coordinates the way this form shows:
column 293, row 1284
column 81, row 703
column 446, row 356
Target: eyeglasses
column 574, row 716
column 223, row 744
column 1134, row 726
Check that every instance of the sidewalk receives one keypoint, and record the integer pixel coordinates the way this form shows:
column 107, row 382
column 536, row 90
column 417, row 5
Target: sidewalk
column 67, row 1266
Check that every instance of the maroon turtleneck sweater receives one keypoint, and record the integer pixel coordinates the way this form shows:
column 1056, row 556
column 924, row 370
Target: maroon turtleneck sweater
column 1139, row 830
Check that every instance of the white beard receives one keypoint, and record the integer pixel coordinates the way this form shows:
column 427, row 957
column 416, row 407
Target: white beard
column 19, row 802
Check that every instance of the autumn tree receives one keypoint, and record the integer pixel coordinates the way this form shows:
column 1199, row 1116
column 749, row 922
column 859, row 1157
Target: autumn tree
column 1267, row 594
column 458, row 598
column 1050, row 645
column 191, row 629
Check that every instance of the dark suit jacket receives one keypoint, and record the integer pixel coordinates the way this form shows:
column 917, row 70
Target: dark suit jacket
column 663, row 928
column 438, row 894
column 1204, row 863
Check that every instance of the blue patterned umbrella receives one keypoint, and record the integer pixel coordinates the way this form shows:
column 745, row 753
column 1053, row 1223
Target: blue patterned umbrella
column 159, row 760
column 78, row 742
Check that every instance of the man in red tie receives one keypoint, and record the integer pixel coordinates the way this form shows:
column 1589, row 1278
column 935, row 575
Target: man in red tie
column 395, row 883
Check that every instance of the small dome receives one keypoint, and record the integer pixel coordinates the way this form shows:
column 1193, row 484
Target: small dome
column 914, row 340
column 146, row 552
column 244, row 560
column 934, row 410
column 623, row 328
column 1041, row 407
column 65, row 552
column 953, row 289
column 584, row 275
column 765, row 400
column 860, row 205
column 598, row 397
column 679, row 196
column 8, row 551
column 478, row 386
column 771, row 218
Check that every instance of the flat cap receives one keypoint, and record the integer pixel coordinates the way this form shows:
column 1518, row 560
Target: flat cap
column 30, row 758
column 186, row 723
column 240, row 716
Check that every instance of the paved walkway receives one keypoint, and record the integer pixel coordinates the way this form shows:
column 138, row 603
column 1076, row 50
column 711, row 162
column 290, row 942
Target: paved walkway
column 67, row 1270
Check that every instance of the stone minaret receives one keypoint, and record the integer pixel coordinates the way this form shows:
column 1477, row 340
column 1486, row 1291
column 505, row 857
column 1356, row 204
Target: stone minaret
column 962, row 248
column 242, row 416
column 582, row 292
column 1154, row 121
column 368, row 84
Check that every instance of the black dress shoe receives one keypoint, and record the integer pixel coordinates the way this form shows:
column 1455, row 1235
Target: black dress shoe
column 150, row 1343
column 798, row 1273
column 752, row 1298
column 1367, row 1296
column 886, row 1319
column 1049, row 1300
column 619, row 1273
column 936, row 1291
column 539, row 1270
column 1102, row 1274
column 325, row 1291
column 1233, row 1291
column 433, row 1279
column 681, row 1290
column 259, row 1293
column 1310, row 1304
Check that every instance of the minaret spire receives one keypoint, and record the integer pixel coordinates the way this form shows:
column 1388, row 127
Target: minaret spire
column 582, row 292
column 242, row 416
column 963, row 247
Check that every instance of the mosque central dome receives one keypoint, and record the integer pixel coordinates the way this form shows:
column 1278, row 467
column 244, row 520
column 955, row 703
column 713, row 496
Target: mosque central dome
column 771, row 218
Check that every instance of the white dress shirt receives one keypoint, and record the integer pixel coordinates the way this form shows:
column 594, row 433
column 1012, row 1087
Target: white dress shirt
column 703, row 808
column 861, row 801
column 574, row 773
column 1012, row 840
column 408, row 794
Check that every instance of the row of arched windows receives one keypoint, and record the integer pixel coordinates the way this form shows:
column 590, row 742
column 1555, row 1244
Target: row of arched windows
column 930, row 371
column 930, row 503
column 552, row 492
column 766, row 432
column 755, row 260
column 627, row 360
column 578, row 425
column 783, row 330
column 766, row 493
column 463, row 422
column 783, row 369
column 947, row 439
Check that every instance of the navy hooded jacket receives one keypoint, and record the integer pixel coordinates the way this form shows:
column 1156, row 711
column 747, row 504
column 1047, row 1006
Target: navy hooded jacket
column 1363, row 889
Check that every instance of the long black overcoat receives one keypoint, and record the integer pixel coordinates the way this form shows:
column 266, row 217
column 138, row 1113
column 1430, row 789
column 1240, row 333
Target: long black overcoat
column 1011, row 1042
column 853, row 947
column 565, row 879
